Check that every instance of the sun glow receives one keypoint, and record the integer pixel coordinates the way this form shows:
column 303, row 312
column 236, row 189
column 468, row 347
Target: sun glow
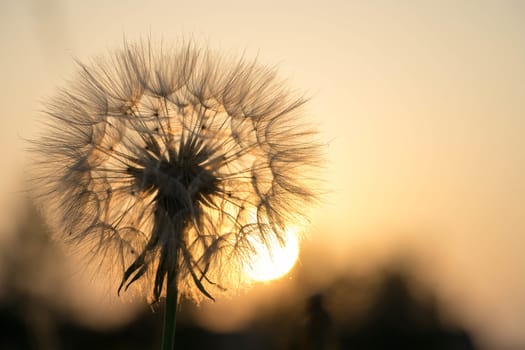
column 273, row 263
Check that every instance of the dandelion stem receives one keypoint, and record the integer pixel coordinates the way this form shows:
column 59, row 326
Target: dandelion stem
column 170, row 315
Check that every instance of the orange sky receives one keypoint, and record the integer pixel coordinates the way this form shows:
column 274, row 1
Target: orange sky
column 421, row 102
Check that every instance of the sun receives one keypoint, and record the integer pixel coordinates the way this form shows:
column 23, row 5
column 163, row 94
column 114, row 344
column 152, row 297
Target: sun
column 273, row 263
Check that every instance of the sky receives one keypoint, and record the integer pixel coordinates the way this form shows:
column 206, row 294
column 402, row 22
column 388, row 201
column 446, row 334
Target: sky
column 421, row 105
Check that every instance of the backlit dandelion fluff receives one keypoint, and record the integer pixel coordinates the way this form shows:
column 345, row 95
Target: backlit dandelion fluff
column 165, row 163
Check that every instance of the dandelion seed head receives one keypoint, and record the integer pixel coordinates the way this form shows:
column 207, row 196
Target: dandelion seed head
column 156, row 160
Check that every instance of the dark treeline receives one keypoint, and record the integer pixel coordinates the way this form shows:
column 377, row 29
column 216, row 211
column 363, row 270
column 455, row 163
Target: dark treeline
column 348, row 314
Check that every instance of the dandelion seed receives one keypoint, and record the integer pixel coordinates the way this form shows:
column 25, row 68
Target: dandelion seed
column 169, row 164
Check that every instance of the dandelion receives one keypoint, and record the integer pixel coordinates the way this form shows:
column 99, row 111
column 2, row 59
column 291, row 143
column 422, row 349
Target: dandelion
column 165, row 164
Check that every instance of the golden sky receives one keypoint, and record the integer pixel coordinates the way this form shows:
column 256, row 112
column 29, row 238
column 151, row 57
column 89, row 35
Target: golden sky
column 421, row 103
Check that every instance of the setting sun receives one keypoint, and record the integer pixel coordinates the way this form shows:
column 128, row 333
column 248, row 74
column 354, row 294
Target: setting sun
column 270, row 264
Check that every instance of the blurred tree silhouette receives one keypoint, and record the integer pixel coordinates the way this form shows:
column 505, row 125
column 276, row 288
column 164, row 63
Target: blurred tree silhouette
column 398, row 320
column 375, row 312
column 26, row 316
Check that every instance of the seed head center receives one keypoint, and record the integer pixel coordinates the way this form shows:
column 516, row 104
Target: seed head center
column 180, row 182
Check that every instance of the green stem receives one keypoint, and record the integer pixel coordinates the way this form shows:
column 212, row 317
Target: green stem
column 168, row 332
